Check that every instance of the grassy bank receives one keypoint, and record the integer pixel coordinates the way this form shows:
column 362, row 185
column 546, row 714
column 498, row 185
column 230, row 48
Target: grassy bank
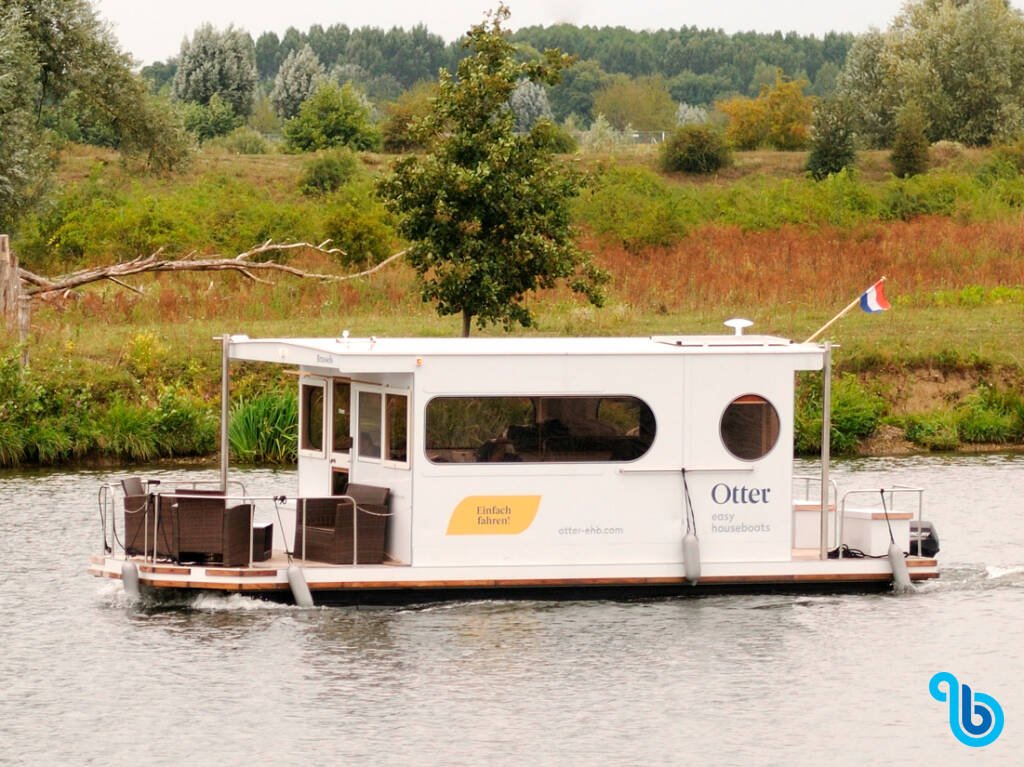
column 123, row 376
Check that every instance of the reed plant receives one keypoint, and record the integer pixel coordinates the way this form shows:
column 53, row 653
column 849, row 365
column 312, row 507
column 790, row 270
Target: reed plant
column 264, row 429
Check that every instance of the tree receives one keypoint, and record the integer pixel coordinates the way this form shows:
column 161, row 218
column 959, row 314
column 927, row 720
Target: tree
column 788, row 112
column 215, row 62
column 529, row 103
column 960, row 61
column 747, row 127
column 295, row 81
column 21, row 161
column 62, row 73
column 574, row 93
column 213, row 119
column 488, row 211
column 401, row 115
column 832, row 145
column 909, row 155
column 779, row 116
column 333, row 116
column 864, row 84
column 643, row 103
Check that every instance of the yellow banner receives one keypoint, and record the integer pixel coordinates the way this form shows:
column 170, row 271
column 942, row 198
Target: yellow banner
column 493, row 515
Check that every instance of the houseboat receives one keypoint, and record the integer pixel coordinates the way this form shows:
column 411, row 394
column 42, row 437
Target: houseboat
column 443, row 468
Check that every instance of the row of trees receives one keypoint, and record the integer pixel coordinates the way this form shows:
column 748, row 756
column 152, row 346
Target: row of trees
column 697, row 66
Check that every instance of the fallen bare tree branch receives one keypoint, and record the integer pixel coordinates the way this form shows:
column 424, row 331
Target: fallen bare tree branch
column 43, row 286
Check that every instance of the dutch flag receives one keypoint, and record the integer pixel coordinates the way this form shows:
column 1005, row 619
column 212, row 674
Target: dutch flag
column 873, row 299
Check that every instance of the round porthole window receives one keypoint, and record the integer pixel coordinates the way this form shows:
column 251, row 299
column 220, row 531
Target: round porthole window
column 750, row 427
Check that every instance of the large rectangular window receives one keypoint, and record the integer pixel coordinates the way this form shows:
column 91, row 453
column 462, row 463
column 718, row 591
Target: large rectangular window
column 537, row 429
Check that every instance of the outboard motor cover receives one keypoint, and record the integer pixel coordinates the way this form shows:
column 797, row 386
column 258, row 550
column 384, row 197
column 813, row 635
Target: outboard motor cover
column 925, row 532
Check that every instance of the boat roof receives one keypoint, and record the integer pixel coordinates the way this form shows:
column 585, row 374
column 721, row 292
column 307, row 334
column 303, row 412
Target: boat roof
column 320, row 351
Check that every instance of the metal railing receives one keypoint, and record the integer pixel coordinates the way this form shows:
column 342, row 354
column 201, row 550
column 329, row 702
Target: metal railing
column 890, row 507
column 109, row 495
column 829, row 507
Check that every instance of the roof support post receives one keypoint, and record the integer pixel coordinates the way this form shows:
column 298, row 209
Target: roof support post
column 225, row 409
column 826, row 438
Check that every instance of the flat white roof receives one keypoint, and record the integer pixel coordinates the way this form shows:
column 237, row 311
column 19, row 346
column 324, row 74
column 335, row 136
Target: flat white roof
column 327, row 351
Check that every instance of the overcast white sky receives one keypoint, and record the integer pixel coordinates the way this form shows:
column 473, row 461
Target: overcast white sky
column 154, row 31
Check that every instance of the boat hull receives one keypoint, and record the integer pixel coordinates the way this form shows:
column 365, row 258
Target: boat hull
column 389, row 584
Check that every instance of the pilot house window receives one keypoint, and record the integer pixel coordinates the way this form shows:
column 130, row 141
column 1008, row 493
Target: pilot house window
column 537, row 429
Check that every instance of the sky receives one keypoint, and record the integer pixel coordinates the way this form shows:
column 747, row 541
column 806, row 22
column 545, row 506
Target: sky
column 154, row 31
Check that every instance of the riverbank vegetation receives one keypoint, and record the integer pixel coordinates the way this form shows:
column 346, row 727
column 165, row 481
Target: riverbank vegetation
column 116, row 375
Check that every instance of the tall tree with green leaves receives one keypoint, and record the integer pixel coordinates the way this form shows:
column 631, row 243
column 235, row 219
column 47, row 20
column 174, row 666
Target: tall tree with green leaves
column 487, row 210
column 62, row 73
column 960, row 61
column 217, row 62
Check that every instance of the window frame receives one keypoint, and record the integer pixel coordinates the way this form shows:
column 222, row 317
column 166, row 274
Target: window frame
column 312, row 383
column 537, row 404
column 382, row 433
column 751, row 398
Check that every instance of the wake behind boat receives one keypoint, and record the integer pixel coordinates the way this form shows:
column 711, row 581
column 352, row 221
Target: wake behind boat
column 434, row 468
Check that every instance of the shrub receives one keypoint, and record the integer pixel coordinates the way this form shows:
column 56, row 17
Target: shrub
column 909, row 155
column 184, row 425
column 990, row 416
column 328, row 172
column 210, row 120
column 935, row 431
column 1010, row 153
column 359, row 224
column 555, row 137
column 412, row 105
column 243, row 140
column 127, row 432
column 333, row 116
column 856, row 413
column 634, row 206
column 694, row 148
column 832, row 148
column 945, row 152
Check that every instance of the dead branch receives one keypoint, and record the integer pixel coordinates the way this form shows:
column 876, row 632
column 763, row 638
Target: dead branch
column 43, row 286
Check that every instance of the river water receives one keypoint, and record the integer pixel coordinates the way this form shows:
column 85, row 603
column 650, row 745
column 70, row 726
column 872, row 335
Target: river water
column 87, row 677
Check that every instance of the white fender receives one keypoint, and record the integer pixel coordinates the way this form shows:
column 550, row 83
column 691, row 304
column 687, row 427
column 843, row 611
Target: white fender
column 130, row 579
column 300, row 591
column 691, row 558
column 900, row 576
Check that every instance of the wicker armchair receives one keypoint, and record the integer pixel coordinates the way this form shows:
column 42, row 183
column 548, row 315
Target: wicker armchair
column 139, row 521
column 327, row 535
column 207, row 531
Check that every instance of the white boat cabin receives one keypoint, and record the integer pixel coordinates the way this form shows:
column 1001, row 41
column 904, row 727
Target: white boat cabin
column 540, row 451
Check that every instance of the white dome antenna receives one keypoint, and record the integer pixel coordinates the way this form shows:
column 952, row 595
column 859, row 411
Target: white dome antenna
column 737, row 324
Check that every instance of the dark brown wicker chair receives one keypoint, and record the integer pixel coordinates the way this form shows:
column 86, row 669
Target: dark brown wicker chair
column 139, row 520
column 208, row 531
column 327, row 535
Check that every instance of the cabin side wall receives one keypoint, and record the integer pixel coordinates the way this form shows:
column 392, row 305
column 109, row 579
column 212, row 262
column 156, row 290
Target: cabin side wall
column 542, row 513
column 742, row 506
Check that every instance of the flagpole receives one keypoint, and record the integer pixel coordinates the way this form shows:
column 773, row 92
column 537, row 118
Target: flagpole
column 841, row 314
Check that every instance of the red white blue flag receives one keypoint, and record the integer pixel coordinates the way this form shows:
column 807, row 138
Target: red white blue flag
column 873, row 299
